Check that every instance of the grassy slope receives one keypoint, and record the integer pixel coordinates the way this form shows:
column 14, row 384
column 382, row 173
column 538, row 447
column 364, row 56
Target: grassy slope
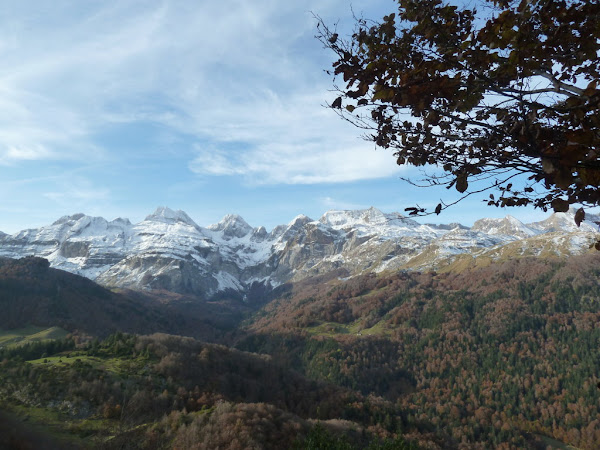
column 30, row 333
column 332, row 329
column 56, row 429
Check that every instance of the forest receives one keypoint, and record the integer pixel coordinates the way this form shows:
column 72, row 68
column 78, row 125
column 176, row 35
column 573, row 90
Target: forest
column 164, row 391
column 500, row 354
column 503, row 355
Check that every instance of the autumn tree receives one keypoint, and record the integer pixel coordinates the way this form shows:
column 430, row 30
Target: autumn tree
column 498, row 95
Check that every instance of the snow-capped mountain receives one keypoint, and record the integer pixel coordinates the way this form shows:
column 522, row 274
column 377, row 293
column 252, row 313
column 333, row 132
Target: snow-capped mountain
column 508, row 226
column 168, row 250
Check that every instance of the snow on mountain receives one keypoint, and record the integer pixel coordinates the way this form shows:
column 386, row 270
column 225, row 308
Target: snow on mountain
column 365, row 219
column 166, row 231
column 355, row 218
column 78, row 243
column 508, row 226
column 167, row 215
column 372, row 222
column 168, row 250
column 566, row 222
column 285, row 232
column 232, row 226
column 259, row 234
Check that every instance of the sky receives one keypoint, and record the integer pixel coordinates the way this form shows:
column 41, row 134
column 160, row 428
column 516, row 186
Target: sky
column 113, row 108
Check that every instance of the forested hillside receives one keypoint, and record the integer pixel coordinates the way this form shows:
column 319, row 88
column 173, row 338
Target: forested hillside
column 504, row 356
column 31, row 292
column 164, row 391
column 501, row 354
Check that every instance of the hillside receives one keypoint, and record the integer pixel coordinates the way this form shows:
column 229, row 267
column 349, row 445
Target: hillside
column 164, row 391
column 503, row 354
column 498, row 354
column 32, row 293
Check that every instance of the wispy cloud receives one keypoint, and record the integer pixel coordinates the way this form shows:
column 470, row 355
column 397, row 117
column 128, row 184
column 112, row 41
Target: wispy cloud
column 281, row 163
column 220, row 72
column 108, row 107
column 212, row 161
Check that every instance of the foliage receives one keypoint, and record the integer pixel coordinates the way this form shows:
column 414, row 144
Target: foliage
column 35, row 350
column 487, row 92
column 241, row 426
column 165, row 391
column 320, row 439
column 500, row 356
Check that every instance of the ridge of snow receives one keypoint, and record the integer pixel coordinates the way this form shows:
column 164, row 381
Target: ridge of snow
column 367, row 222
column 350, row 218
column 508, row 225
column 167, row 215
column 299, row 220
column 120, row 221
column 566, row 222
column 65, row 219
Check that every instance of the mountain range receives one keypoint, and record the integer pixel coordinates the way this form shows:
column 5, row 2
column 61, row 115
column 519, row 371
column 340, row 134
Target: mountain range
column 169, row 251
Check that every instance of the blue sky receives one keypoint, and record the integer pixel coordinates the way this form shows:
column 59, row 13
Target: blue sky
column 114, row 108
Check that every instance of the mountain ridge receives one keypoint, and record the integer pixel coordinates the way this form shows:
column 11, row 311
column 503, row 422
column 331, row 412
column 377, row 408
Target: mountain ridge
column 169, row 251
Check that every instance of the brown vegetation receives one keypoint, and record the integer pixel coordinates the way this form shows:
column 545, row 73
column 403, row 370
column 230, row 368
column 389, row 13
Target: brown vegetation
column 499, row 354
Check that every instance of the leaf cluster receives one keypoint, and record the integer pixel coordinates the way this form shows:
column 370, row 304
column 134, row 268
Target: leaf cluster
column 500, row 90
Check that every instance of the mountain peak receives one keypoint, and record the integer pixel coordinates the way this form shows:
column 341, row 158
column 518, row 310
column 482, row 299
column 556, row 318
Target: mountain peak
column 346, row 218
column 299, row 220
column 232, row 225
column 507, row 225
column 168, row 251
column 566, row 222
column 121, row 221
column 65, row 219
column 167, row 215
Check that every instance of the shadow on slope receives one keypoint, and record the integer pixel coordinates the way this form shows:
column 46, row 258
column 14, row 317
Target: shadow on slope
column 33, row 293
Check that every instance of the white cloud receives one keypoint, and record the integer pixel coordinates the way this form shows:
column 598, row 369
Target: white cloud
column 215, row 162
column 292, row 141
column 10, row 154
column 228, row 72
column 302, row 163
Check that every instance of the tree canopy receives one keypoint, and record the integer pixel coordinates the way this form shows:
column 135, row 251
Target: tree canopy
column 500, row 96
